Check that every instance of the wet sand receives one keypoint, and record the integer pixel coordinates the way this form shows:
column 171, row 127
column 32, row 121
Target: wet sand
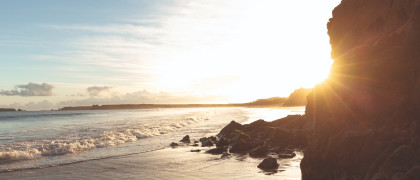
column 177, row 163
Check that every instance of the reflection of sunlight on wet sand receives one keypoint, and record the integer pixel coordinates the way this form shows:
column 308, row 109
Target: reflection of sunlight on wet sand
column 271, row 114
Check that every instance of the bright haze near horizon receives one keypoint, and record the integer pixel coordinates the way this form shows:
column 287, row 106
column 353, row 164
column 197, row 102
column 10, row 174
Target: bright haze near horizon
column 57, row 53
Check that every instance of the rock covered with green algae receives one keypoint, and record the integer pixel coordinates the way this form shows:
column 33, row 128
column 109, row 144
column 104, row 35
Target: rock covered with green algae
column 366, row 116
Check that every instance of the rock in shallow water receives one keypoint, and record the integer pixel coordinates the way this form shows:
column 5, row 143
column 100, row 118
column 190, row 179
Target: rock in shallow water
column 206, row 142
column 241, row 146
column 222, row 142
column 268, row 164
column 186, row 139
column 225, row 155
column 218, row 150
column 260, row 151
column 285, row 156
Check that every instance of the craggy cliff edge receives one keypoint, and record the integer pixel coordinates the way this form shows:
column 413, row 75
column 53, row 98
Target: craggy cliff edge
column 366, row 116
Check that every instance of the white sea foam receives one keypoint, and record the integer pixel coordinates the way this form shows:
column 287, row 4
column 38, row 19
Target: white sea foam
column 74, row 143
column 12, row 156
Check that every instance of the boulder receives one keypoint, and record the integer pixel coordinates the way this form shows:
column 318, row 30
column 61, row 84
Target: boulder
column 207, row 142
column 260, row 151
column 286, row 156
column 218, row 150
column 212, row 138
column 186, row 139
column 240, row 147
column 227, row 130
column 173, row 144
column 268, row 164
column 222, row 142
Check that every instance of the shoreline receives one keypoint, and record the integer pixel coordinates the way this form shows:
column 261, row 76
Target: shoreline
column 168, row 163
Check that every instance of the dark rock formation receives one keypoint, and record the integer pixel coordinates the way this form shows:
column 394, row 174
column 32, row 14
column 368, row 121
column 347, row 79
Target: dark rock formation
column 260, row 137
column 218, row 150
column 240, row 147
column 212, row 138
column 260, row 151
column 268, row 164
column 174, row 144
column 366, row 115
column 195, row 150
column 287, row 155
column 205, row 142
column 222, row 142
column 186, row 139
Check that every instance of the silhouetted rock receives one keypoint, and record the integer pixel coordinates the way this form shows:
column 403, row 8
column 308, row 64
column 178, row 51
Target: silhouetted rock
column 366, row 114
column 227, row 130
column 225, row 155
column 260, row 137
column 173, row 144
column 287, row 155
column 206, row 142
column 212, row 138
column 218, row 150
column 260, row 151
column 268, row 164
column 414, row 173
column 195, row 150
column 222, row 142
column 241, row 146
column 186, row 139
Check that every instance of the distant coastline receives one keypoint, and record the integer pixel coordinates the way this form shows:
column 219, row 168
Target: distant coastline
column 155, row 106
column 297, row 98
column 7, row 109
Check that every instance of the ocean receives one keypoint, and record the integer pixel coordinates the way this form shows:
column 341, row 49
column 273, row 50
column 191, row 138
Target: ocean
column 42, row 139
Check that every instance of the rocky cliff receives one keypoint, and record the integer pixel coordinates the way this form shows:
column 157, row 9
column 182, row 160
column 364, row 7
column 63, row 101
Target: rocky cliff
column 366, row 116
column 298, row 97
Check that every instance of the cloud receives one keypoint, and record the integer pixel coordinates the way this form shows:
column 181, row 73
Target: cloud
column 31, row 89
column 97, row 90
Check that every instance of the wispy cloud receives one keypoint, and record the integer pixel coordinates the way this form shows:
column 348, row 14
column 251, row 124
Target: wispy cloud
column 143, row 47
column 30, row 89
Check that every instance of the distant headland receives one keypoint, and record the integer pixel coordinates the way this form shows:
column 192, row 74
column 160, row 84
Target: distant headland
column 7, row 109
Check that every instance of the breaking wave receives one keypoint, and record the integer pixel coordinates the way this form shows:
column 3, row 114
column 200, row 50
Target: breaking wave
column 78, row 142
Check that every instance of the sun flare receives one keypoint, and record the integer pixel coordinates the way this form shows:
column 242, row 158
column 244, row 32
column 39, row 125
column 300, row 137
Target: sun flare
column 262, row 53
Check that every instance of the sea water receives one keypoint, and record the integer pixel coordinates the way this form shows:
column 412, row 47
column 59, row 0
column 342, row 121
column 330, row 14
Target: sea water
column 50, row 138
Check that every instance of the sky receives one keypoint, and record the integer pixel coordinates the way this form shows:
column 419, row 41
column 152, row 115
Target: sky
column 56, row 53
